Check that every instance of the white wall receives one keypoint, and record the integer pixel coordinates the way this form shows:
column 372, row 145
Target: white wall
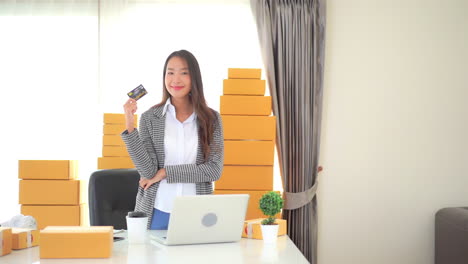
column 395, row 127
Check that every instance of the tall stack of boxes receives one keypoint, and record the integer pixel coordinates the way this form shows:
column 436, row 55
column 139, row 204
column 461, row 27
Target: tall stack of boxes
column 114, row 151
column 249, row 134
column 50, row 192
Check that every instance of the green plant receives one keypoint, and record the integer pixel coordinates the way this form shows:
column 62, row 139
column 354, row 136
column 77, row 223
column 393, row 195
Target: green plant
column 271, row 203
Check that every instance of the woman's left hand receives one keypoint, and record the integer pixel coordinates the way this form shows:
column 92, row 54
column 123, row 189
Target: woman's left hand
column 143, row 182
column 159, row 176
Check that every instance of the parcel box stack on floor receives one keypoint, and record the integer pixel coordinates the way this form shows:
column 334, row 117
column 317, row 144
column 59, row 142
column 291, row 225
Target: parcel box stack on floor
column 50, row 192
column 114, row 152
column 249, row 134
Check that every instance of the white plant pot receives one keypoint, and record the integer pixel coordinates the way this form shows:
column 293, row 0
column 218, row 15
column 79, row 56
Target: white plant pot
column 269, row 233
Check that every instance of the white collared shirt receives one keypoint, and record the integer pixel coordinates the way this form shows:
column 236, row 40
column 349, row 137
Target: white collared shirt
column 180, row 147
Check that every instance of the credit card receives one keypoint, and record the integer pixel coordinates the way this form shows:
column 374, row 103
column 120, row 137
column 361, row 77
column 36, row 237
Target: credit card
column 137, row 93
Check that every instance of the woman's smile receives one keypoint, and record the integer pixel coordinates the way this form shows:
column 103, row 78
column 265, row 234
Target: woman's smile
column 177, row 88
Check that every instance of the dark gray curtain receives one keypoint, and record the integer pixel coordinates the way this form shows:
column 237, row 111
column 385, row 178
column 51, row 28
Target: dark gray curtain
column 292, row 39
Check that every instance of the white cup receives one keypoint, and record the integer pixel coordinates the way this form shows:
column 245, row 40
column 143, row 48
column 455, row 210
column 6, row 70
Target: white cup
column 136, row 229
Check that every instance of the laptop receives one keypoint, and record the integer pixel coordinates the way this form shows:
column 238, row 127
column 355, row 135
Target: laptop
column 204, row 219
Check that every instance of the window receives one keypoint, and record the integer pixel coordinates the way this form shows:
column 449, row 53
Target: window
column 64, row 64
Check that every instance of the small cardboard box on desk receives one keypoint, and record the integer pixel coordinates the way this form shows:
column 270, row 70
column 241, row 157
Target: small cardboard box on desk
column 253, row 230
column 76, row 242
column 5, row 241
column 24, row 238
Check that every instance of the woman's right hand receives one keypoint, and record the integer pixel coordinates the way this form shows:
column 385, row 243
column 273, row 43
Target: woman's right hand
column 159, row 176
column 130, row 108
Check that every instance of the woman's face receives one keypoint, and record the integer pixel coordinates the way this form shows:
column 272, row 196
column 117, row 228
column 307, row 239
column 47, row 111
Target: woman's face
column 177, row 78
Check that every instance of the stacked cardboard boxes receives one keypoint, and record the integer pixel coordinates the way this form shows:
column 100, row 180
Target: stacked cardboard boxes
column 249, row 134
column 114, row 151
column 50, row 192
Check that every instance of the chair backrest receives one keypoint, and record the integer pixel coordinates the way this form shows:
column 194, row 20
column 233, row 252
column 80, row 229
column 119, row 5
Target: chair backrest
column 112, row 194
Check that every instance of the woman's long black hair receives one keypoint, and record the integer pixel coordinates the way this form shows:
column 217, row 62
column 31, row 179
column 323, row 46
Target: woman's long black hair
column 205, row 115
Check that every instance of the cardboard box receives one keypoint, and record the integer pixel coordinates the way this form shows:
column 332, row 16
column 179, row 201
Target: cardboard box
column 245, row 105
column 114, row 151
column 244, row 73
column 110, row 118
column 253, row 210
column 252, row 228
column 24, row 238
column 113, row 129
column 249, row 127
column 244, row 87
column 112, row 140
column 105, row 163
column 56, row 215
column 248, row 152
column 48, row 169
column 246, row 178
column 47, row 192
column 76, row 242
column 5, row 241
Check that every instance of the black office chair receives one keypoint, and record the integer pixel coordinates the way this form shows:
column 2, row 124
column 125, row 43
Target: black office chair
column 112, row 195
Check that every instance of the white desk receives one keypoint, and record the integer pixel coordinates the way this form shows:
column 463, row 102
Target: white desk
column 245, row 251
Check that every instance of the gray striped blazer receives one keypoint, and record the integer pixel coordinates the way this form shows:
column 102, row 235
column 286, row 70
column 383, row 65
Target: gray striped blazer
column 146, row 148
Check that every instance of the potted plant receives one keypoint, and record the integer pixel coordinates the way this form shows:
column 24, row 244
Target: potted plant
column 271, row 204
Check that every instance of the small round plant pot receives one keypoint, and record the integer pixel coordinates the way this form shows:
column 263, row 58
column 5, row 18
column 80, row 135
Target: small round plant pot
column 269, row 233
